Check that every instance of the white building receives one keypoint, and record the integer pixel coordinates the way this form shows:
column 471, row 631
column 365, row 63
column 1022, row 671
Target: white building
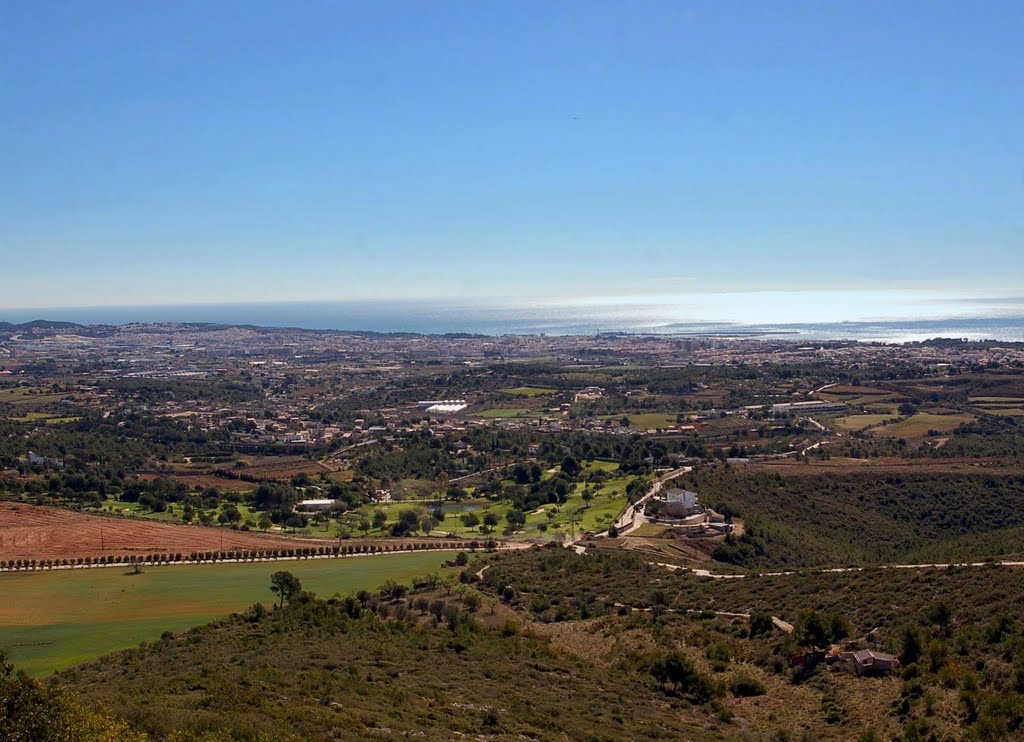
column 443, row 406
column 806, row 408
column 682, row 502
column 591, row 392
column 34, row 458
column 314, row 505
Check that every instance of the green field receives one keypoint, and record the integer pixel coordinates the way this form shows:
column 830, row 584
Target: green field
column 1003, row 406
column 649, row 530
column 596, row 516
column 530, row 391
column 862, row 400
column 51, row 620
column 508, row 412
column 919, row 425
column 36, row 417
column 859, row 422
column 30, row 395
column 174, row 512
column 646, row 420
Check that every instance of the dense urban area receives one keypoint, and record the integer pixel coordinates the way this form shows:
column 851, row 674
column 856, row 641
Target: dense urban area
column 341, row 535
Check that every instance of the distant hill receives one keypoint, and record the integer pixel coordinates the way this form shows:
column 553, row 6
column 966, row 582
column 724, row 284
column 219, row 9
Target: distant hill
column 42, row 324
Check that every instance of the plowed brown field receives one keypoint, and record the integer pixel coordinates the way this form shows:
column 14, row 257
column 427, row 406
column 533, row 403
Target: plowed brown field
column 40, row 532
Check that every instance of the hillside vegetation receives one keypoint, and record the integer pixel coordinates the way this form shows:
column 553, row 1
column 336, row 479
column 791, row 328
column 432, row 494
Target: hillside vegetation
column 338, row 670
column 553, row 645
column 864, row 517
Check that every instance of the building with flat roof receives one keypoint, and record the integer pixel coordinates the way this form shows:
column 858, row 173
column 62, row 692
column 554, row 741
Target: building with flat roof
column 805, row 408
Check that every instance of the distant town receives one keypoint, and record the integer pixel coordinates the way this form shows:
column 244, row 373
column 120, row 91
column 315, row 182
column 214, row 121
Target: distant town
column 725, row 526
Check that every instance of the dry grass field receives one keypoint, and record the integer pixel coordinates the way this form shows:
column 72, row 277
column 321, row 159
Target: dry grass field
column 859, row 422
column 281, row 469
column 920, row 424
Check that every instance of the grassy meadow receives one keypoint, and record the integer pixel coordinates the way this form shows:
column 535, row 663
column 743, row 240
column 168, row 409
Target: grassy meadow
column 1002, row 406
column 548, row 522
column 919, row 424
column 859, row 422
column 51, row 620
column 530, row 391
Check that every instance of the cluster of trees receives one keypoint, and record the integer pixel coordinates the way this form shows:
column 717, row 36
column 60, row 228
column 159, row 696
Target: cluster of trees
column 410, row 521
column 677, row 674
column 30, row 710
column 527, row 453
column 811, row 519
column 303, row 552
column 124, row 439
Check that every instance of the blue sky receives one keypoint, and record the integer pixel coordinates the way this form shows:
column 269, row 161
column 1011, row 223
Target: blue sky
column 258, row 151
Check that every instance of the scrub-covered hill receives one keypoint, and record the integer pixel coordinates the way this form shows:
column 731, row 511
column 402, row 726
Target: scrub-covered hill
column 339, row 670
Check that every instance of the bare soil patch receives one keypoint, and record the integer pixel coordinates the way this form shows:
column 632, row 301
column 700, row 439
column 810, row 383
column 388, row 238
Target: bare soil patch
column 42, row 532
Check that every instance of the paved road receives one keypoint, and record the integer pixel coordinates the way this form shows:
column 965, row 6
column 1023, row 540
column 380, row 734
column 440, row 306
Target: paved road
column 330, row 459
column 816, row 424
column 498, row 468
column 632, row 516
column 811, row 448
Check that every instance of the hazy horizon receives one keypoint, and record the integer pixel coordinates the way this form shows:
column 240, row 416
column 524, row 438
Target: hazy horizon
column 860, row 315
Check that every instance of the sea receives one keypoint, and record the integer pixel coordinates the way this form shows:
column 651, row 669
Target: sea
column 890, row 317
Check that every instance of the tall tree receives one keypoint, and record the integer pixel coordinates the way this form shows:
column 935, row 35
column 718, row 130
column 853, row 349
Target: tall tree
column 286, row 585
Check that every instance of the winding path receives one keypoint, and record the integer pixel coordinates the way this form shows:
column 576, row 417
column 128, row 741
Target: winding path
column 631, row 516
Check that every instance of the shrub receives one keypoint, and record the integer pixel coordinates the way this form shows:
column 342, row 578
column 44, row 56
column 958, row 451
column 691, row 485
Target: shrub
column 744, row 685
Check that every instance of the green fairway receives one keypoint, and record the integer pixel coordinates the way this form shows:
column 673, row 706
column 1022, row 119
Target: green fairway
column 51, row 620
column 174, row 512
column 608, row 499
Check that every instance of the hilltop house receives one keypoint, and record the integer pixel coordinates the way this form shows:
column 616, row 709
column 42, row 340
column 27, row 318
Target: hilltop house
column 33, row 458
column 681, row 510
column 870, row 662
column 680, row 503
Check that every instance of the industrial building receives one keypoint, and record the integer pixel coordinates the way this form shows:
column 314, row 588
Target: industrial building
column 443, row 406
column 806, row 408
